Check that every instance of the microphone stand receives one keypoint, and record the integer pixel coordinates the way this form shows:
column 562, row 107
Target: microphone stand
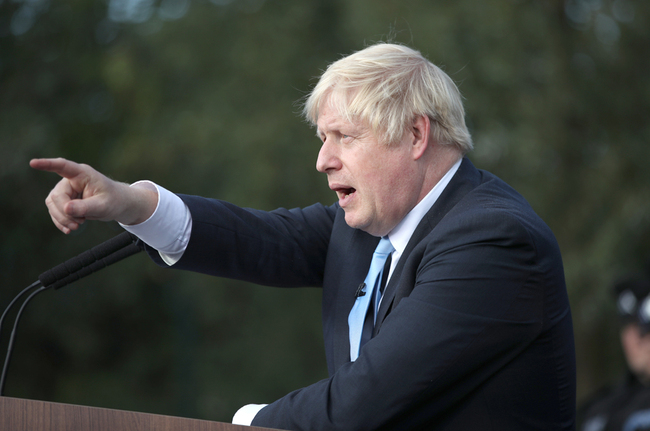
column 106, row 253
column 12, row 338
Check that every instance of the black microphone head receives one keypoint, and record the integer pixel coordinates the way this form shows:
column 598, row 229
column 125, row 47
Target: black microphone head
column 98, row 257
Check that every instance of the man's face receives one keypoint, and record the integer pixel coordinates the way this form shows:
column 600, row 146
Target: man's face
column 377, row 185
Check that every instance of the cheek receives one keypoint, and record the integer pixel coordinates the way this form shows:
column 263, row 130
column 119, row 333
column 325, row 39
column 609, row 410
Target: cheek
column 385, row 179
column 390, row 196
column 397, row 182
column 645, row 346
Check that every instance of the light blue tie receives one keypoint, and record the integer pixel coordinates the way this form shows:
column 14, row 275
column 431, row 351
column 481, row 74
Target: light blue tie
column 360, row 308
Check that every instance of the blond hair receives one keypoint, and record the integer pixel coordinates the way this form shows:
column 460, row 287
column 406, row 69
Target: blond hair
column 386, row 86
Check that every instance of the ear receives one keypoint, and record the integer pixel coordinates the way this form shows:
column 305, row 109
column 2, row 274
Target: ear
column 421, row 136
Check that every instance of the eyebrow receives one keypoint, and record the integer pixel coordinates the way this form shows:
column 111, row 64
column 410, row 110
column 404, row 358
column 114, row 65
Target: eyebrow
column 338, row 127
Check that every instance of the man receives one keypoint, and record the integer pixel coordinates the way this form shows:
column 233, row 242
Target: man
column 468, row 323
column 627, row 406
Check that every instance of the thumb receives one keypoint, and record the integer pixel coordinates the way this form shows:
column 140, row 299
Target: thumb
column 77, row 208
column 85, row 208
column 95, row 207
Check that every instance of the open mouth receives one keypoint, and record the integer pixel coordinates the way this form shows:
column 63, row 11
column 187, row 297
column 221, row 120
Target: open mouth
column 344, row 194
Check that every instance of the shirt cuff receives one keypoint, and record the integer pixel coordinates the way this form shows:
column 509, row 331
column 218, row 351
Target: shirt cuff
column 246, row 414
column 169, row 228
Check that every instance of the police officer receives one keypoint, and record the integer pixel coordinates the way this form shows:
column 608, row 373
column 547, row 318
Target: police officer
column 627, row 406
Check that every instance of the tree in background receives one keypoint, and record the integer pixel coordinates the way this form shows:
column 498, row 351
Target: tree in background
column 200, row 96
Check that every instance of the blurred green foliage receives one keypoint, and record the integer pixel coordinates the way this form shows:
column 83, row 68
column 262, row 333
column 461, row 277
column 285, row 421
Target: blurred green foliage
column 200, row 96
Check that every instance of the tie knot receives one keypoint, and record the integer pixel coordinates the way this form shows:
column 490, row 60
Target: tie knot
column 384, row 246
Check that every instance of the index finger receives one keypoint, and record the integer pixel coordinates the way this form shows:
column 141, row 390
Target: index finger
column 61, row 166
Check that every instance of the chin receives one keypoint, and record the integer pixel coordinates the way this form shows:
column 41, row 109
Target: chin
column 354, row 222
column 363, row 225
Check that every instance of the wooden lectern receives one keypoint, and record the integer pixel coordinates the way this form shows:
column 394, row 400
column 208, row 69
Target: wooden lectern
column 29, row 415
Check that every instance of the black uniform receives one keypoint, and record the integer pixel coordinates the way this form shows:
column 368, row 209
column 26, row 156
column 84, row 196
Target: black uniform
column 623, row 408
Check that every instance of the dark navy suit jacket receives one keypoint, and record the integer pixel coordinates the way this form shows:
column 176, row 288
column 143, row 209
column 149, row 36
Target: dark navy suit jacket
column 474, row 331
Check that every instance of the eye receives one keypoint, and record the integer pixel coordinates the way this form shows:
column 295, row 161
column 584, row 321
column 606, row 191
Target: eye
column 346, row 138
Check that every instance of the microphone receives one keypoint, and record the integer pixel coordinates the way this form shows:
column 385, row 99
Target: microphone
column 98, row 257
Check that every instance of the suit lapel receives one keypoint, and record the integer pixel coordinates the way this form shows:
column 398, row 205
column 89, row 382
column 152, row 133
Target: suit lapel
column 466, row 179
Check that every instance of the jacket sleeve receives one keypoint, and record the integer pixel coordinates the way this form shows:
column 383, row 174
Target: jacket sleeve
column 284, row 248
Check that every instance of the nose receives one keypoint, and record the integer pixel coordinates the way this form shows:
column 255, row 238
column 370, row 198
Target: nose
column 328, row 158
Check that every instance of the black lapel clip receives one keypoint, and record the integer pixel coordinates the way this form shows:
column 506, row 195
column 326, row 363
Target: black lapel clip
column 361, row 290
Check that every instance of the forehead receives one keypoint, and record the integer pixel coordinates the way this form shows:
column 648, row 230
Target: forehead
column 331, row 120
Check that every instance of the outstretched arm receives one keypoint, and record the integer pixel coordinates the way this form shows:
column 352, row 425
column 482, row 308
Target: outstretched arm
column 85, row 194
